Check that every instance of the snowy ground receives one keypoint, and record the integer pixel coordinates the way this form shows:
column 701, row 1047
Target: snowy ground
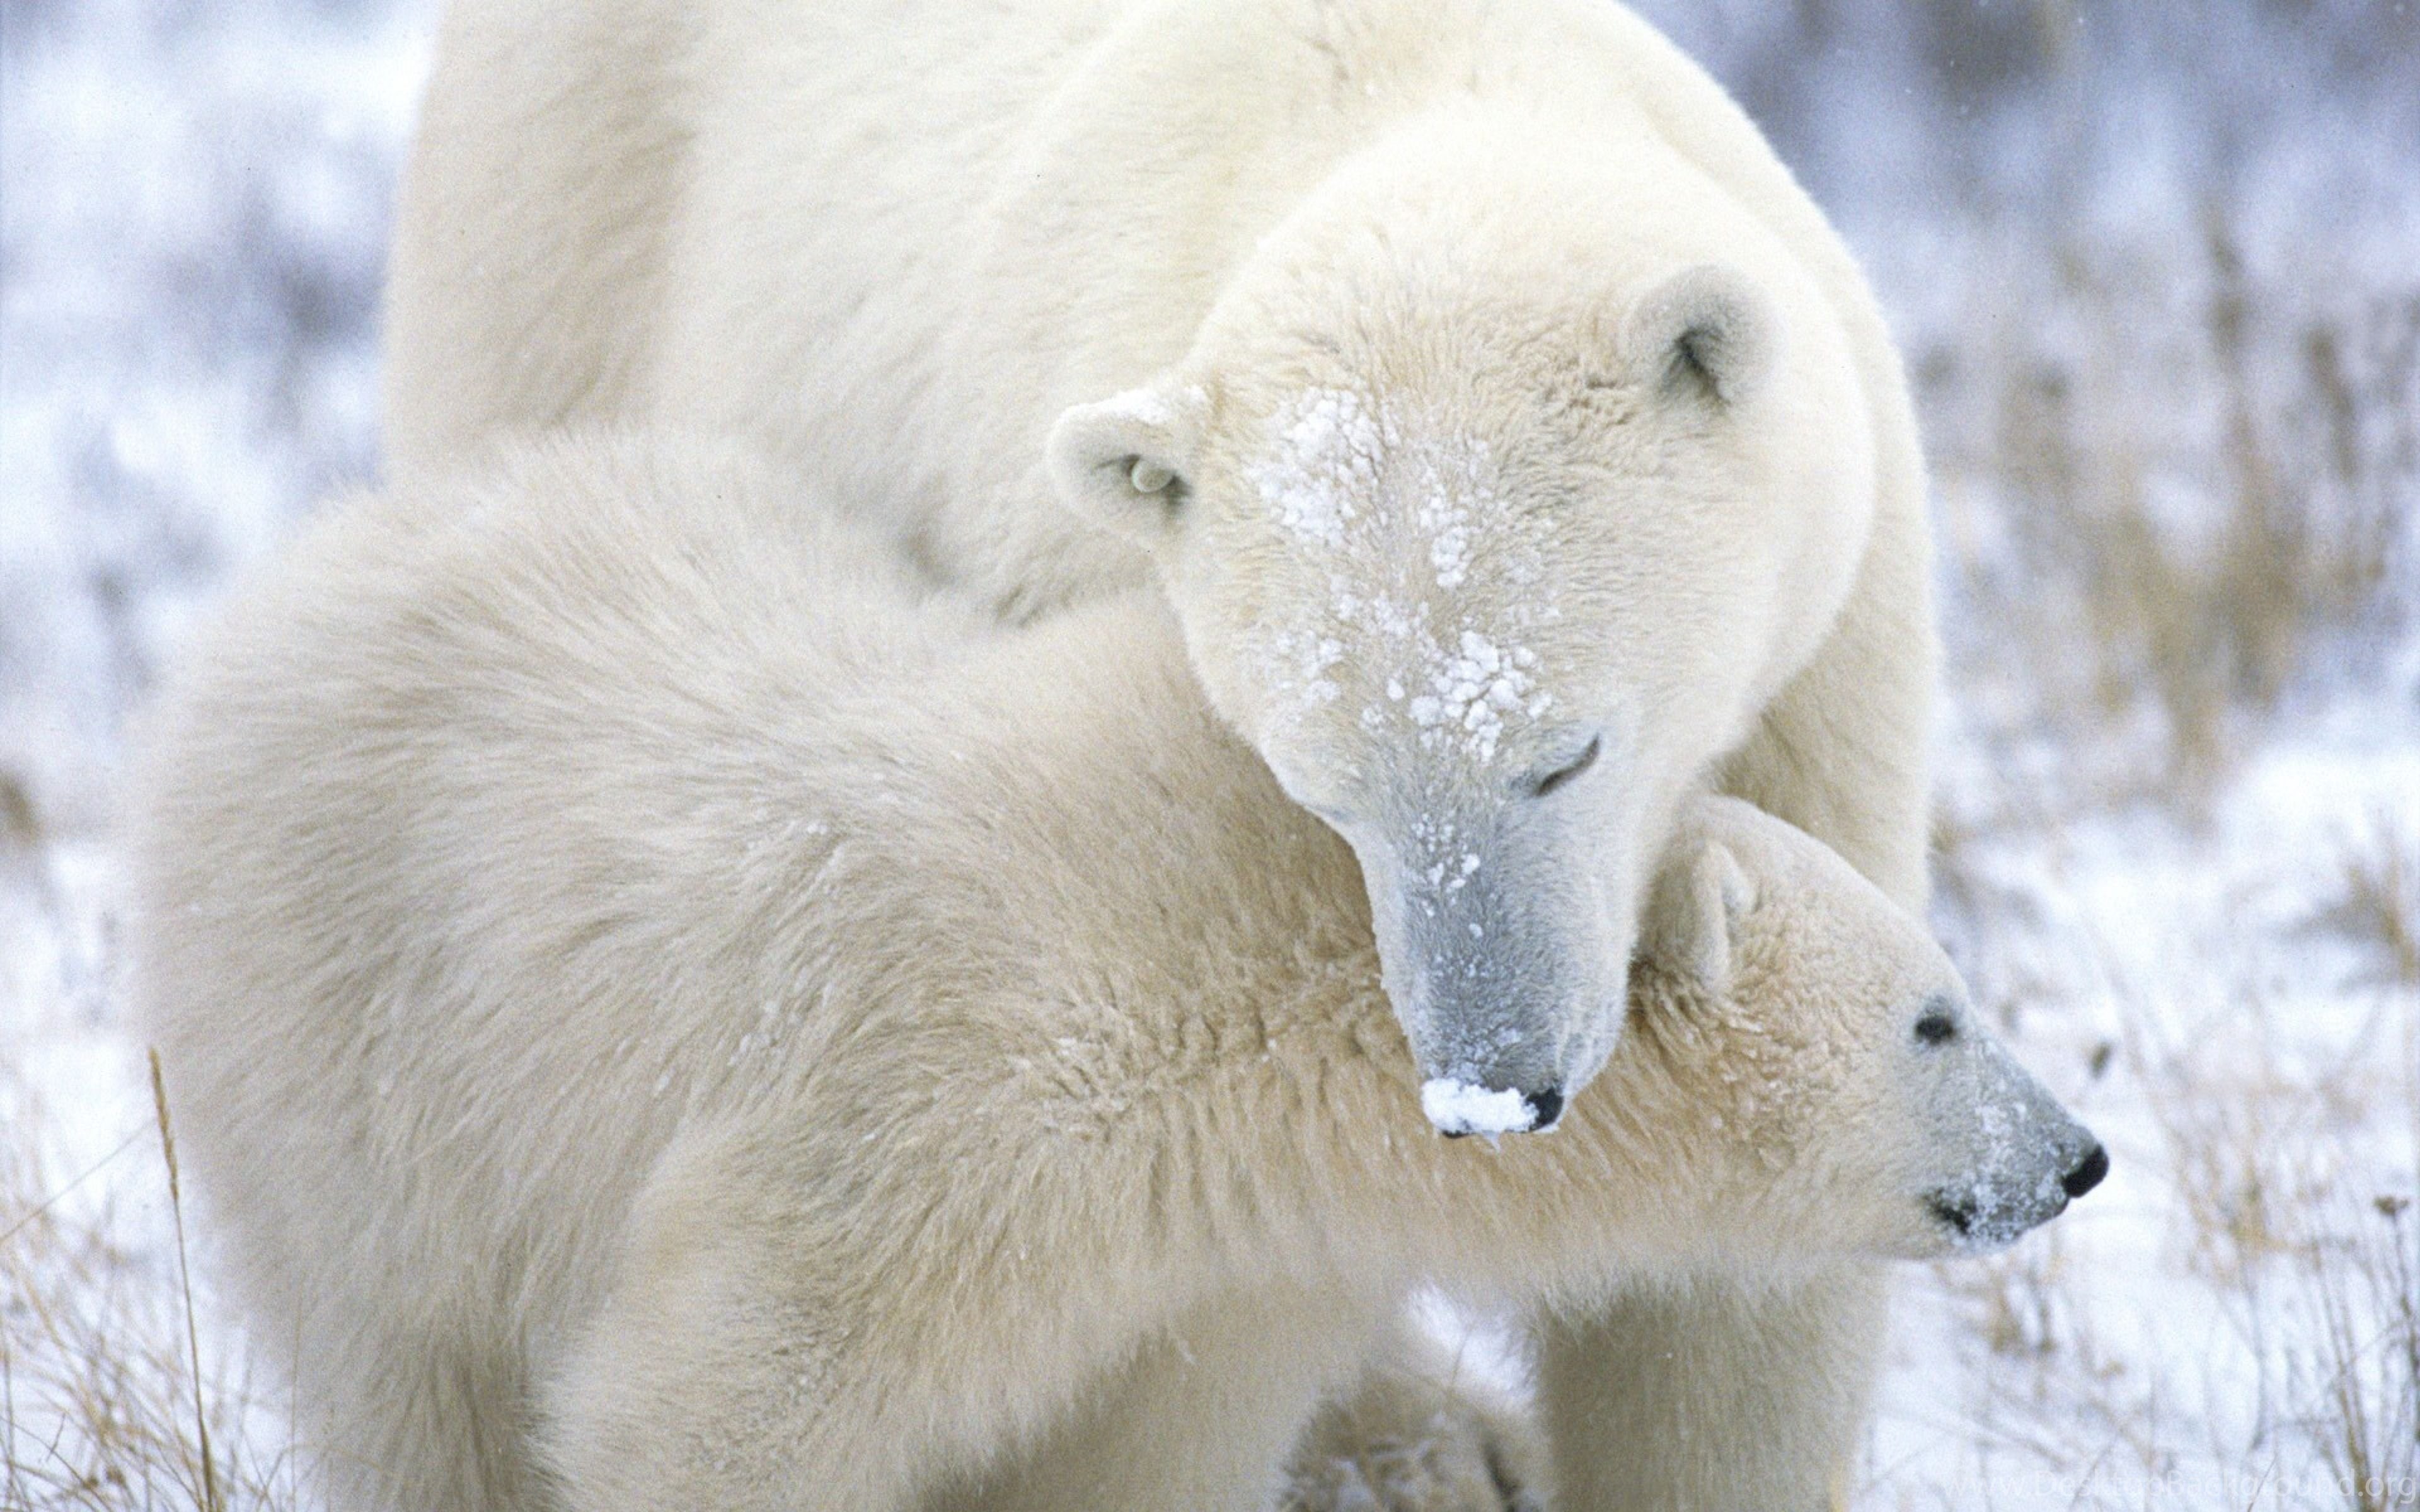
column 2158, row 272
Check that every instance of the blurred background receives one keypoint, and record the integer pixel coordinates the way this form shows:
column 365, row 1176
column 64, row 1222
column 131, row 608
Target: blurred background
column 2155, row 265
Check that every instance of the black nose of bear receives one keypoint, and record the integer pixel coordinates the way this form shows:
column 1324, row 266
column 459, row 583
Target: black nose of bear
column 1544, row 1108
column 2087, row 1173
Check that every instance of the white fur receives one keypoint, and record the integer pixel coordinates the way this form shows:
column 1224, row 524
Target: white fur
column 1514, row 270
column 667, row 1010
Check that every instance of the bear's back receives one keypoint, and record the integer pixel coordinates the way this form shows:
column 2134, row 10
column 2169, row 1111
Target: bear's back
column 434, row 843
column 899, row 276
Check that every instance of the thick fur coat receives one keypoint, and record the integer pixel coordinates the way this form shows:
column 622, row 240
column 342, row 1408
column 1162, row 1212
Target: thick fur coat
column 672, row 1012
column 1174, row 261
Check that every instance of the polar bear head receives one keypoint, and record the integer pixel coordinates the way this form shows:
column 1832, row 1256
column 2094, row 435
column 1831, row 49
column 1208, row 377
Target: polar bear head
column 1493, row 515
column 1809, row 1066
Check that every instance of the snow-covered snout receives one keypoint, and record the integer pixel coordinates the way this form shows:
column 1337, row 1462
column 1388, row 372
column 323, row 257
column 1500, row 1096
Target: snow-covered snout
column 1828, row 1046
column 1503, row 937
column 2011, row 1158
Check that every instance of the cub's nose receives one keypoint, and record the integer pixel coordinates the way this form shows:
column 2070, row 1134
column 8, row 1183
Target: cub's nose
column 2087, row 1173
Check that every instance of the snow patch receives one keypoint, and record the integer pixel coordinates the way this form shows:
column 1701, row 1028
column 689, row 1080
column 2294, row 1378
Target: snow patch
column 1402, row 511
column 1458, row 1107
column 1472, row 689
column 1329, row 446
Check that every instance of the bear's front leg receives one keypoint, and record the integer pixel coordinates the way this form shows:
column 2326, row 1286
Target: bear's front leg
column 1202, row 1416
column 1715, row 1393
column 715, row 1376
column 1419, row 1430
column 787, row 1332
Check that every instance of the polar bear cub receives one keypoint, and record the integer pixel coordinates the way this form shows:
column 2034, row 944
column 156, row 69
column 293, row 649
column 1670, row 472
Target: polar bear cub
column 668, row 1013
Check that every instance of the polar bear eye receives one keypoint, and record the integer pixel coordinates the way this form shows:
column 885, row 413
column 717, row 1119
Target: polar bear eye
column 1938, row 1026
column 1539, row 787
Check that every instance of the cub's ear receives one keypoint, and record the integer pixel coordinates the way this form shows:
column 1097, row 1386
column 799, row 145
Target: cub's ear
column 1694, row 914
column 1705, row 331
column 1122, row 463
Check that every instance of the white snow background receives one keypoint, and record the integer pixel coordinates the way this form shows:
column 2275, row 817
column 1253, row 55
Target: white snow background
column 2156, row 266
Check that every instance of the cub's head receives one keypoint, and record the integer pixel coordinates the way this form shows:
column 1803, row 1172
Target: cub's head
column 1810, row 1060
column 1491, row 516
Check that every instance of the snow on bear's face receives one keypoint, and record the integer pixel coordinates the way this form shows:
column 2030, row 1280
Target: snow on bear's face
column 1490, row 543
column 1811, row 1058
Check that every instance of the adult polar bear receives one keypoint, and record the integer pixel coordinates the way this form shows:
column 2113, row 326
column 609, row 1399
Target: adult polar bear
column 1455, row 347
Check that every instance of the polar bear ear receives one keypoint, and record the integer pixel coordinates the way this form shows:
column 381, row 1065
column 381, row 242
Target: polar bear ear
column 1704, row 330
column 1695, row 914
column 1120, row 463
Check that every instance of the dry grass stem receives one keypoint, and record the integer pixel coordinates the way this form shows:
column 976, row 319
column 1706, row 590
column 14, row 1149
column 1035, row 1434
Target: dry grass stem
column 210, row 1501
